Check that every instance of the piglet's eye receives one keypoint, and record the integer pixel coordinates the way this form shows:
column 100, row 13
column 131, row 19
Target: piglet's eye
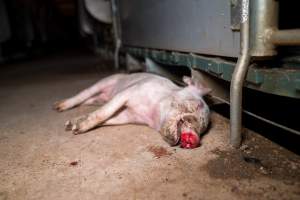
column 190, row 119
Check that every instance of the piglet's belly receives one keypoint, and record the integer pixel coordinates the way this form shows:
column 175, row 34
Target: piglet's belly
column 148, row 115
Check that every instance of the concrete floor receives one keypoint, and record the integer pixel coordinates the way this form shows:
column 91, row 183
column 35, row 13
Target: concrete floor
column 39, row 160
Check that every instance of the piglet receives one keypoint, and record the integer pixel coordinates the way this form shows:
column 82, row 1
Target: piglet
column 178, row 113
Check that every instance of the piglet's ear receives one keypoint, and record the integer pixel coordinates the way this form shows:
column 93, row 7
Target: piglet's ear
column 198, row 84
column 205, row 90
column 199, row 81
column 187, row 80
column 201, row 86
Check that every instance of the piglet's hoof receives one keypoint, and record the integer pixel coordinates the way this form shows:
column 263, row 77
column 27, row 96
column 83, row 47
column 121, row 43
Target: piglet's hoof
column 74, row 125
column 58, row 106
column 75, row 129
column 68, row 125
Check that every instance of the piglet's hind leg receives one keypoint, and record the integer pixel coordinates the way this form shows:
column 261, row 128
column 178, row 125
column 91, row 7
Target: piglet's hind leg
column 87, row 93
column 94, row 101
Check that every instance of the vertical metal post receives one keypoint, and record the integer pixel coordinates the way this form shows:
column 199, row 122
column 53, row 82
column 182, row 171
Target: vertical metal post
column 263, row 22
column 238, row 78
column 265, row 35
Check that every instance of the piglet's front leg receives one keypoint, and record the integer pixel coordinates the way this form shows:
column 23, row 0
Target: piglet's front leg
column 101, row 115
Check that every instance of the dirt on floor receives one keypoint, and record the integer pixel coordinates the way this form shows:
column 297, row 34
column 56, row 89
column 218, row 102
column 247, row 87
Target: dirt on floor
column 39, row 160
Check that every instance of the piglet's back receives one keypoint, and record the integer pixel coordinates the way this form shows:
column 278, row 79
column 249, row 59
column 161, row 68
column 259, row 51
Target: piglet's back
column 146, row 84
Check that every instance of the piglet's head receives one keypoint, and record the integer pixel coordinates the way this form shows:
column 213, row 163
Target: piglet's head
column 184, row 126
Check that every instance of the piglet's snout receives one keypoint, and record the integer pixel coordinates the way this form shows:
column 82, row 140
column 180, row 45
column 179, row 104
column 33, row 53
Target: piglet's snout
column 189, row 140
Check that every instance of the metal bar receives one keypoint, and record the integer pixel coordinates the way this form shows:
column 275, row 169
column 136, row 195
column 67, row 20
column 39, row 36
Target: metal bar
column 273, row 123
column 260, row 117
column 265, row 35
column 286, row 37
column 238, row 78
column 264, row 20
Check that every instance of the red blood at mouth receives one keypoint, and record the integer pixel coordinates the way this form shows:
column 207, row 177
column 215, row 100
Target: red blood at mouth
column 189, row 140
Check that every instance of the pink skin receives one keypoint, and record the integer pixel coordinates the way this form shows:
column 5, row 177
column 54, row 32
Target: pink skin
column 139, row 98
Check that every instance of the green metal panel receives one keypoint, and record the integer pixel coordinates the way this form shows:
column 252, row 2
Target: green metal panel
column 278, row 81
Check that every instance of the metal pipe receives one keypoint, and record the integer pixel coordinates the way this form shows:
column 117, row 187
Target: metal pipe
column 265, row 35
column 238, row 78
column 264, row 21
column 286, row 37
